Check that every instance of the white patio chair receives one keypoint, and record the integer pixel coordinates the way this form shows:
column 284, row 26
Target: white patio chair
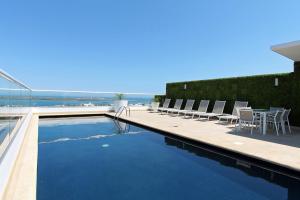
column 247, row 119
column 275, row 120
column 234, row 115
column 285, row 118
column 217, row 110
column 188, row 107
column 201, row 109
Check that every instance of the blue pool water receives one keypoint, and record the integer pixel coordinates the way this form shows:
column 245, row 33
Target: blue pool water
column 96, row 158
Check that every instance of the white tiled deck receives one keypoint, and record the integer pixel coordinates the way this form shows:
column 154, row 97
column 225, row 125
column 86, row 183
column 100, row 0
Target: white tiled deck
column 282, row 150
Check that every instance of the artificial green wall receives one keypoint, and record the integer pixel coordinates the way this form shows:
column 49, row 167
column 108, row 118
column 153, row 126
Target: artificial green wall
column 260, row 91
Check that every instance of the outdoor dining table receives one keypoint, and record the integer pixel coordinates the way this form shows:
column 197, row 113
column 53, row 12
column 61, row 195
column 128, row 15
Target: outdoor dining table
column 263, row 113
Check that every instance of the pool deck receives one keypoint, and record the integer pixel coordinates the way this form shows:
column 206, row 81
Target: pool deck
column 281, row 150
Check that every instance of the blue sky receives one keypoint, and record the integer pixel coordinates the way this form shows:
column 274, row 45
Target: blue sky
column 139, row 45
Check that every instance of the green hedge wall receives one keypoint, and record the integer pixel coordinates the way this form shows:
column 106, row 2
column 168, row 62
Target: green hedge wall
column 260, row 91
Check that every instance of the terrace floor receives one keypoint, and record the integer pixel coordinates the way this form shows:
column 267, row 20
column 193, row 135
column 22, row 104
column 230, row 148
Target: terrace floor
column 282, row 150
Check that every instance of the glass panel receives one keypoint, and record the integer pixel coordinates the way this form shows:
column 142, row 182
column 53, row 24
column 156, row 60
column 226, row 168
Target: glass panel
column 14, row 98
column 71, row 99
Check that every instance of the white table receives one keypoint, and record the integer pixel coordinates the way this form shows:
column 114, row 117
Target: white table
column 263, row 117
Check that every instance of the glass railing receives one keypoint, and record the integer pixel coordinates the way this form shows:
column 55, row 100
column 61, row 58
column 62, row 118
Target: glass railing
column 11, row 111
column 52, row 98
column 16, row 99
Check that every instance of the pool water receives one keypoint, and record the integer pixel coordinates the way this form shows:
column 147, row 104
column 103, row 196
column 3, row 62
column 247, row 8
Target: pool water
column 98, row 158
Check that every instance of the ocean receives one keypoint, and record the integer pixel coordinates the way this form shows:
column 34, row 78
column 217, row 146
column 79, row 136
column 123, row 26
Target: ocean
column 80, row 100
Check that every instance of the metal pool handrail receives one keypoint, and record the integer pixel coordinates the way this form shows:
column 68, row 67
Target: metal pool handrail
column 121, row 110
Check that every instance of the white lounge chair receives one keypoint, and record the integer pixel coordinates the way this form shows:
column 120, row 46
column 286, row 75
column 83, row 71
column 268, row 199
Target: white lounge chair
column 176, row 107
column 154, row 106
column 165, row 106
column 217, row 110
column 188, row 107
column 234, row 115
column 201, row 109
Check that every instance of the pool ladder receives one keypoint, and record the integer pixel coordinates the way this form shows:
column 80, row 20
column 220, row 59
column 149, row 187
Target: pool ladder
column 122, row 126
column 121, row 110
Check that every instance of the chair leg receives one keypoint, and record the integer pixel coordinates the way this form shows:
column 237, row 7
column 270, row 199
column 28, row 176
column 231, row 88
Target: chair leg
column 289, row 126
column 239, row 127
column 275, row 124
column 252, row 124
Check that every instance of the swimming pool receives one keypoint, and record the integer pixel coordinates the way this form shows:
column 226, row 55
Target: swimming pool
column 98, row 158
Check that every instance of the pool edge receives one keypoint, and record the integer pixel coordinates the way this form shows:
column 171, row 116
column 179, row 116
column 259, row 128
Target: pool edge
column 284, row 169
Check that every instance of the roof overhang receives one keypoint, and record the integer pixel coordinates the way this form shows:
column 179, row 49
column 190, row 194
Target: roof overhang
column 290, row 50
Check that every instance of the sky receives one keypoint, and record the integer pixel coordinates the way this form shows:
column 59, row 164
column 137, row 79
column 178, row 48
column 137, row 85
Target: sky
column 140, row 45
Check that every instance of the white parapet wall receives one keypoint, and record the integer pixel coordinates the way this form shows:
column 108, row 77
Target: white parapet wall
column 10, row 156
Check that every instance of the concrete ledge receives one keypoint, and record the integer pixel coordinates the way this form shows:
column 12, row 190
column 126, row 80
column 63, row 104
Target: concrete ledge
column 12, row 155
column 22, row 183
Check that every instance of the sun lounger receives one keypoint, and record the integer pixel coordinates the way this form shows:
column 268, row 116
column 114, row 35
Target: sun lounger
column 176, row 107
column 201, row 109
column 165, row 106
column 188, row 107
column 234, row 115
column 217, row 110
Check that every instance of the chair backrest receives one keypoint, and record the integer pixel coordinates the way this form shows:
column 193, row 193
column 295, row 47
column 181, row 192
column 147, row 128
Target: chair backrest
column 203, row 106
column 242, row 108
column 238, row 104
column 166, row 103
column 219, row 107
column 276, row 108
column 285, row 115
column 189, row 104
column 246, row 115
column 178, row 104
